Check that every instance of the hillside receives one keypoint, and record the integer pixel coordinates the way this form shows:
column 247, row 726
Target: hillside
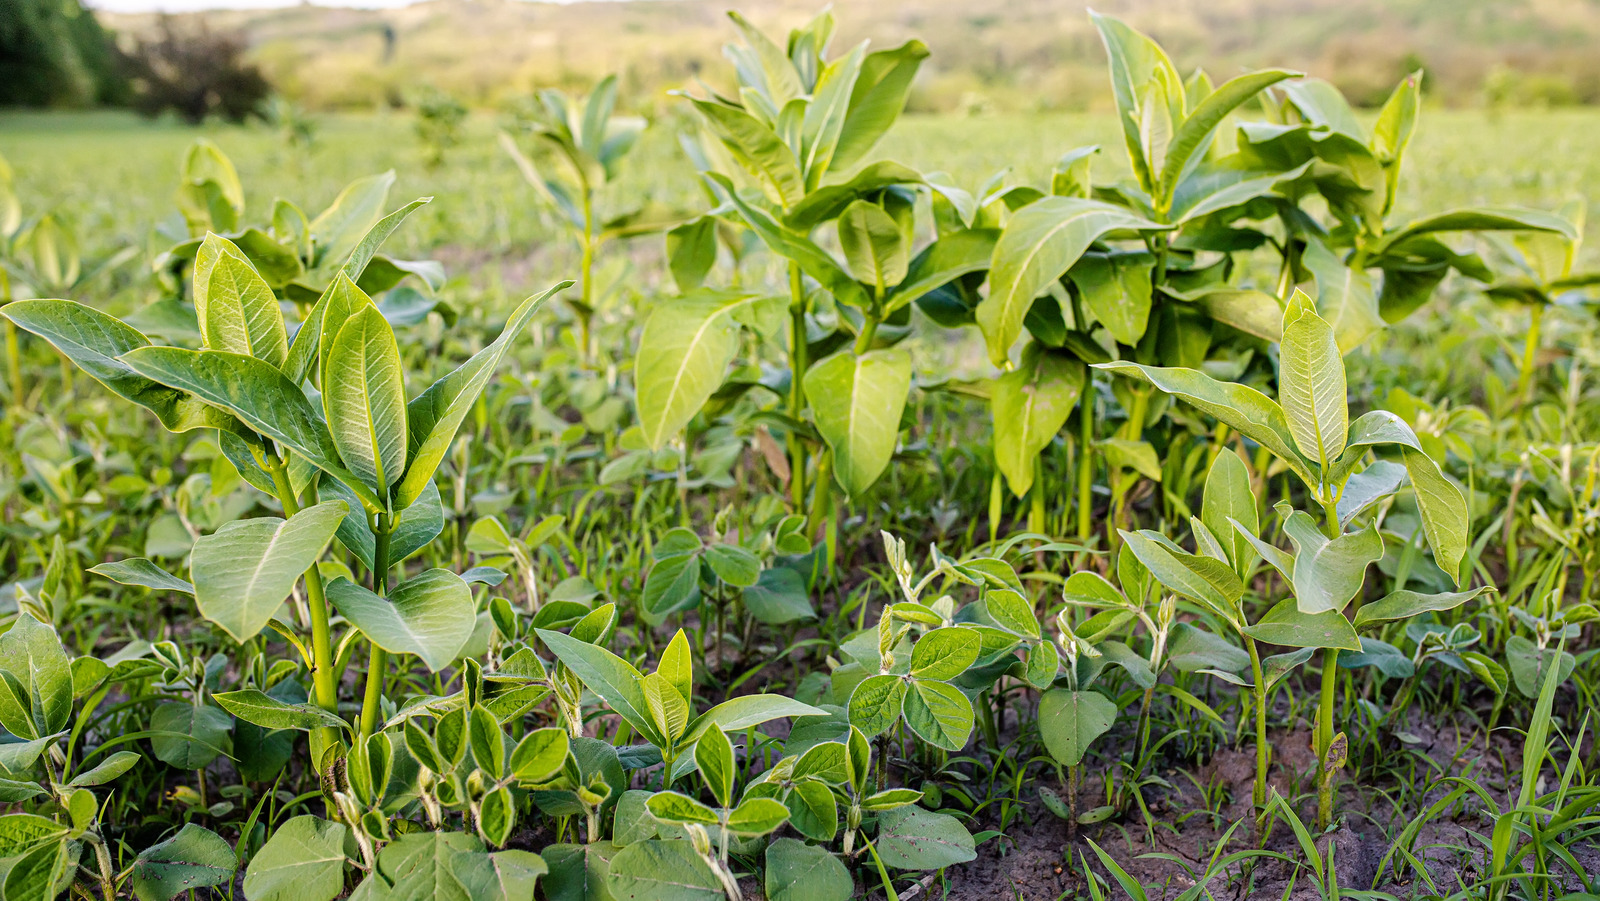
column 1023, row 54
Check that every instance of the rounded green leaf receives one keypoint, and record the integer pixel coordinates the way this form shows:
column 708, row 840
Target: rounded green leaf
column 661, row 871
column 195, row 858
column 243, row 571
column 430, row 615
column 857, row 402
column 875, row 704
column 1070, row 721
column 797, row 871
column 302, row 861
column 944, row 654
column 939, row 713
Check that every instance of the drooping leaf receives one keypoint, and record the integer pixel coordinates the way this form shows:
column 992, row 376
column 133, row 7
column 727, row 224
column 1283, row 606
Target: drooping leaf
column 245, row 570
column 1040, row 243
column 857, row 401
column 682, row 360
column 430, row 615
column 1029, row 406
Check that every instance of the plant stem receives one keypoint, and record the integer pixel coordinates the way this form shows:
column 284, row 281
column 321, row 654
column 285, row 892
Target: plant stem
column 1086, row 461
column 797, row 371
column 1530, row 349
column 586, row 267
column 14, row 363
column 1330, row 675
column 377, row 663
column 1258, row 794
column 324, row 690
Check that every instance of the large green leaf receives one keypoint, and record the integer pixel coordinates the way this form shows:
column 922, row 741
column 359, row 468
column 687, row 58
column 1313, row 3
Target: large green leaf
column 1475, row 219
column 308, row 340
column 825, row 115
column 615, row 680
column 1138, row 64
column 434, row 416
column 195, row 858
column 910, row 838
column 1193, row 136
column 234, row 306
column 96, row 342
column 243, row 571
column 682, row 359
column 1070, row 721
column 740, row 713
column 1404, row 604
column 1029, row 405
column 1444, row 512
column 797, row 871
column 430, row 615
column 258, row 394
column 1329, row 572
column 36, row 695
column 939, row 713
column 1211, row 582
column 1040, row 243
column 857, row 401
column 1229, row 498
column 792, row 245
column 364, row 397
column 876, row 99
column 261, row 709
column 1311, row 386
column 1345, row 297
column 339, row 229
column 657, row 870
column 875, row 249
column 942, row 262
column 1286, row 625
column 757, row 147
column 302, row 861
column 827, row 202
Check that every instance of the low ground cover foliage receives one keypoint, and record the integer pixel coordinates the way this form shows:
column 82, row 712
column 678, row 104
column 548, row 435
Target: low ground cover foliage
column 1249, row 550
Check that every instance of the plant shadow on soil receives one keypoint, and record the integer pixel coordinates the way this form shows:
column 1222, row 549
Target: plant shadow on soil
column 1038, row 861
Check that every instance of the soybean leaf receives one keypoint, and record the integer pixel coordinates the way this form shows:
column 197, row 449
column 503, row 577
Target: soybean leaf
column 1070, row 721
column 910, row 838
column 939, row 713
column 943, row 654
column 797, row 871
column 195, row 858
column 661, row 871
column 36, row 695
column 875, row 704
column 302, row 861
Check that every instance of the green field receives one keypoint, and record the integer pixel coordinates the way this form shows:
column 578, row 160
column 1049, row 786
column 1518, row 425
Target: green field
column 923, row 511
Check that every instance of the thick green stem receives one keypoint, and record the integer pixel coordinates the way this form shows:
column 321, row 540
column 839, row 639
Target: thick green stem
column 325, row 692
column 797, row 371
column 1330, row 676
column 14, row 363
column 1258, row 794
column 1530, row 350
column 377, row 664
column 586, row 270
column 1086, row 462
